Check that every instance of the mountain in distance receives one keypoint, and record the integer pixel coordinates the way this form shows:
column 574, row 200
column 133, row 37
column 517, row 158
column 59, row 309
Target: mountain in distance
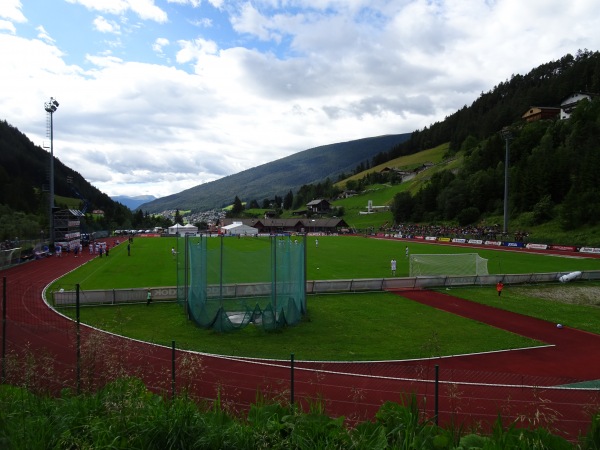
column 133, row 202
column 278, row 177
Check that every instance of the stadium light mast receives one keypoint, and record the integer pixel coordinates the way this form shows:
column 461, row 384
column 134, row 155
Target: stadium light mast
column 507, row 136
column 50, row 107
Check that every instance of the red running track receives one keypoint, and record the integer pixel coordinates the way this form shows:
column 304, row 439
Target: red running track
column 474, row 389
column 571, row 354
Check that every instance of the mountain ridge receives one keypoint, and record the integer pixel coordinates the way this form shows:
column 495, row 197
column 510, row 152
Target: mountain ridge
column 133, row 202
column 280, row 176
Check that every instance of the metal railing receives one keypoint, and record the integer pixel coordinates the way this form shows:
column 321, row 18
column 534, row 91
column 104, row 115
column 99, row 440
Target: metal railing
column 63, row 297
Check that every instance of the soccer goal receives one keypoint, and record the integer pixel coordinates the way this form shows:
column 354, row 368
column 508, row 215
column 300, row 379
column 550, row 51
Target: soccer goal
column 9, row 257
column 465, row 264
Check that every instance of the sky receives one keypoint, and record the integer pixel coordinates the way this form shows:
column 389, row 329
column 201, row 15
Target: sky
column 158, row 96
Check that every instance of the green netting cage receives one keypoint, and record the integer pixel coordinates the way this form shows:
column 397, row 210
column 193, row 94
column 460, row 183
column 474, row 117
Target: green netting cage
column 228, row 282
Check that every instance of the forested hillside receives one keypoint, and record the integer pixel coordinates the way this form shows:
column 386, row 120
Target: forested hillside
column 553, row 163
column 24, row 186
column 553, row 174
column 546, row 85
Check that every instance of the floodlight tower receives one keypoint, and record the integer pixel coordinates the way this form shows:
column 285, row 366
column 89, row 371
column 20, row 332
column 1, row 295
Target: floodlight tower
column 507, row 136
column 50, row 107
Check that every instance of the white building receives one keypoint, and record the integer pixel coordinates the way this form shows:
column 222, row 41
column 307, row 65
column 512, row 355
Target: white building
column 182, row 230
column 238, row 229
column 570, row 103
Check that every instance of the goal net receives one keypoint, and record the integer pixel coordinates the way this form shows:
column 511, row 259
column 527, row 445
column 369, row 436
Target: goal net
column 9, row 257
column 461, row 264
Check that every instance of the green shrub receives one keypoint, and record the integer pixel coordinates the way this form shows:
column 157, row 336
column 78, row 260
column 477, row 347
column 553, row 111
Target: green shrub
column 125, row 415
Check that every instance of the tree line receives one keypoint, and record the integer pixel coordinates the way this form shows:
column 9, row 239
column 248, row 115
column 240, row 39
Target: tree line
column 24, row 192
column 546, row 85
column 553, row 174
column 290, row 201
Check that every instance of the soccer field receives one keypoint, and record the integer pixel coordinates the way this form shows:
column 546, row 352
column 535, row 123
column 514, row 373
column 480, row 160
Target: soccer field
column 368, row 326
column 151, row 263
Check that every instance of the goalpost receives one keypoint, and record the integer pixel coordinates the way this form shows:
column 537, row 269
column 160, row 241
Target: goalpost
column 9, row 257
column 461, row 264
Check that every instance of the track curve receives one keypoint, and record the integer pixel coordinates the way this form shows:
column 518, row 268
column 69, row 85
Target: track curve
column 474, row 387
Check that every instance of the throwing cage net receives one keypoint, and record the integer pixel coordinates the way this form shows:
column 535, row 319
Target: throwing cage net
column 226, row 283
column 468, row 264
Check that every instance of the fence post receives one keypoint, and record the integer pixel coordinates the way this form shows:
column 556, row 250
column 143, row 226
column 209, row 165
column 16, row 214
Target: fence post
column 292, row 380
column 3, row 329
column 173, row 370
column 78, row 344
column 436, row 402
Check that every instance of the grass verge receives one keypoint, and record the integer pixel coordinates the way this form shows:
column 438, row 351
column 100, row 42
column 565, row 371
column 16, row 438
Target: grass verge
column 343, row 327
column 575, row 304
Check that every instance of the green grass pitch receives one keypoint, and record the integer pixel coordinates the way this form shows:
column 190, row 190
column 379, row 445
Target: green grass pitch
column 369, row 326
column 337, row 257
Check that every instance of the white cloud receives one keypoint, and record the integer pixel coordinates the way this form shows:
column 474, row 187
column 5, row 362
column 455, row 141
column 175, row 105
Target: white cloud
column 7, row 26
column 160, row 44
column 280, row 81
column 216, row 3
column 43, row 35
column 193, row 3
column 103, row 25
column 196, row 50
column 145, row 9
column 203, row 22
column 250, row 20
column 12, row 11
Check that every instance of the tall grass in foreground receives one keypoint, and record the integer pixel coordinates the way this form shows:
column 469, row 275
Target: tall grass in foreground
column 126, row 415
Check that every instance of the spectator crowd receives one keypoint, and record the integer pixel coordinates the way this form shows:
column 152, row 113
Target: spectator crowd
column 488, row 232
